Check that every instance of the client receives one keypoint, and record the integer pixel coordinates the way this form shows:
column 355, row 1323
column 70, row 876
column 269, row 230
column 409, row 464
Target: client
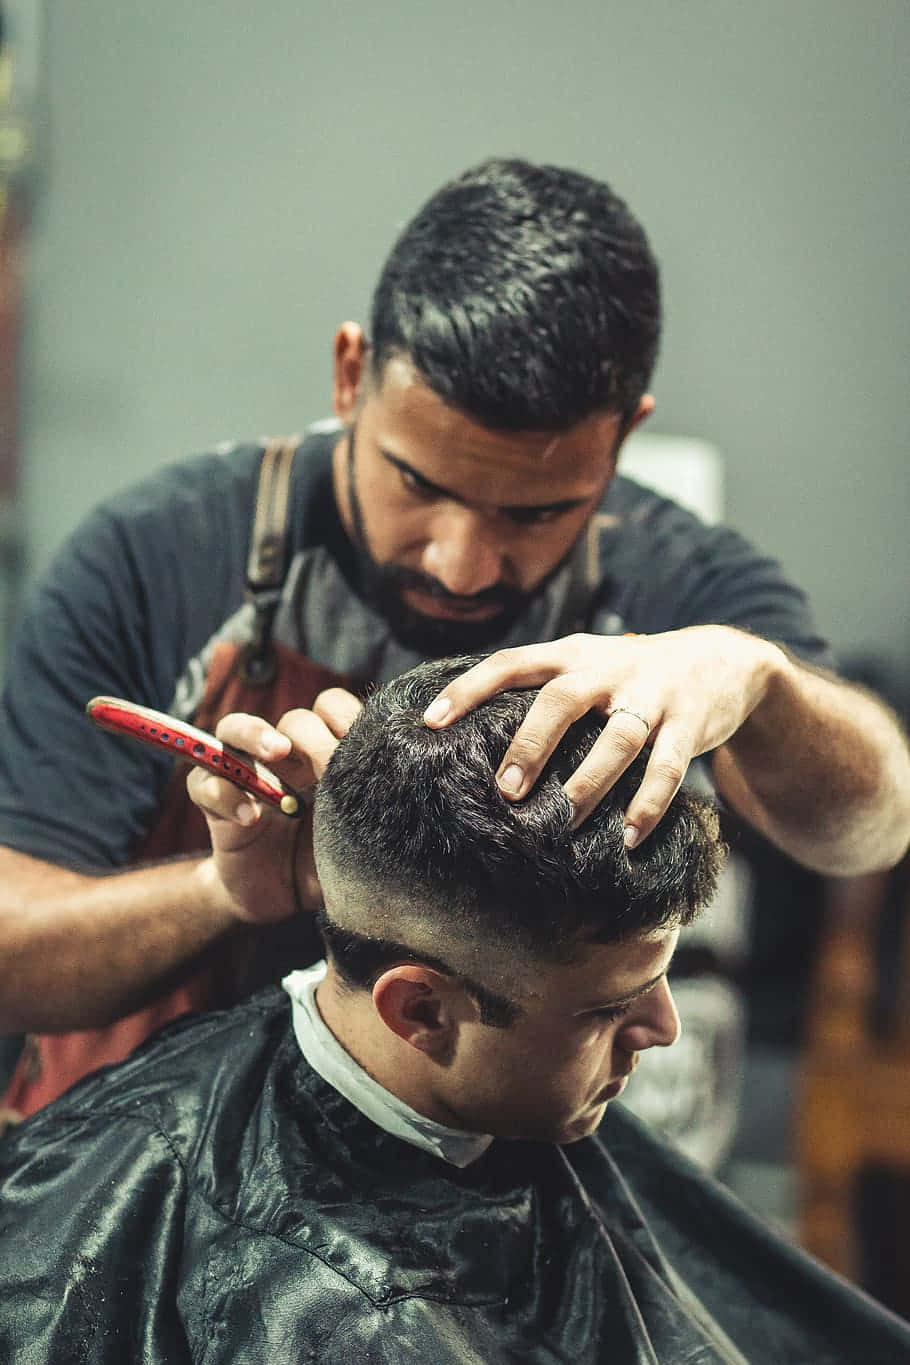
column 400, row 1157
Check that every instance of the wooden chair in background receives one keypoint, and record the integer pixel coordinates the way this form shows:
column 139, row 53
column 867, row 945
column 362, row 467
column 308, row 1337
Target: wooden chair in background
column 853, row 1110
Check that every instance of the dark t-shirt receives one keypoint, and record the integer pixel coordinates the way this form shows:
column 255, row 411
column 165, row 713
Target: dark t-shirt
column 152, row 575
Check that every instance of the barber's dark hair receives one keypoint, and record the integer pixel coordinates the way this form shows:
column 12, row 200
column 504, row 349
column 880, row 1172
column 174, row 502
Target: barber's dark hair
column 526, row 296
column 415, row 814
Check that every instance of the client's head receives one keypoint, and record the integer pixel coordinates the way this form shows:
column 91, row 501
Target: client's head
column 495, row 968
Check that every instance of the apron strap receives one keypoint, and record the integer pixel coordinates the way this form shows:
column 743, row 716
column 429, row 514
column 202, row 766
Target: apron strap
column 267, row 564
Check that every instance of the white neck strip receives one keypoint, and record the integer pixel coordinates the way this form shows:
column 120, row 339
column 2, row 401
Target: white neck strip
column 327, row 1057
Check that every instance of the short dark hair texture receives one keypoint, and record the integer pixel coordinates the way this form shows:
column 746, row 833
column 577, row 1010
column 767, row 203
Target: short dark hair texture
column 361, row 960
column 527, row 296
column 416, row 813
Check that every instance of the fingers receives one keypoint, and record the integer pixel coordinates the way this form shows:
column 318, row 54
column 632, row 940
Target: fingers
column 557, row 705
column 312, row 745
column 298, row 747
column 253, row 735
column 562, row 700
column 618, row 745
column 338, row 708
column 219, row 799
column 693, row 687
column 667, row 767
column 524, row 666
column 626, row 733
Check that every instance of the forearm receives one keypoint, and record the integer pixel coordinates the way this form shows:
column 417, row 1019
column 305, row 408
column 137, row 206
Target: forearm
column 81, row 951
column 822, row 769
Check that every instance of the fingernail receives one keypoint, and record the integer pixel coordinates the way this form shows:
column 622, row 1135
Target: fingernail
column 437, row 710
column 245, row 814
column 630, row 836
column 511, row 780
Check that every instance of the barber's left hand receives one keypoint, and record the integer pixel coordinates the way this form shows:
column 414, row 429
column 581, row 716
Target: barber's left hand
column 693, row 687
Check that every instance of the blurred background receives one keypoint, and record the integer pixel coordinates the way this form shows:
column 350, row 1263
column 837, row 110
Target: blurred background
column 194, row 196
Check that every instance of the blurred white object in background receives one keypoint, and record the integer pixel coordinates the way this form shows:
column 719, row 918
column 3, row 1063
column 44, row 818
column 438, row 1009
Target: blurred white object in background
column 692, row 1093
column 684, row 468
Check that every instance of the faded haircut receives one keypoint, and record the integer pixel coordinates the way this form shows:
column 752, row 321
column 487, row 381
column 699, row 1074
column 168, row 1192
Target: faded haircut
column 418, row 852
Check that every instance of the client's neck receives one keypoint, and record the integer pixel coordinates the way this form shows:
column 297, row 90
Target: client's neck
column 395, row 1064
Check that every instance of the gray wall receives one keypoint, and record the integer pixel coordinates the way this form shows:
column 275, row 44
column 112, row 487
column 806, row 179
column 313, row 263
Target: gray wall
column 222, row 181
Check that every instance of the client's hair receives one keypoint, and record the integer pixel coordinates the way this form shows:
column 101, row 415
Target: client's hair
column 412, row 832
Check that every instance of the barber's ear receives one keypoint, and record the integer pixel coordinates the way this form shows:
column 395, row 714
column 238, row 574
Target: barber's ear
column 350, row 352
column 646, row 406
column 420, row 1005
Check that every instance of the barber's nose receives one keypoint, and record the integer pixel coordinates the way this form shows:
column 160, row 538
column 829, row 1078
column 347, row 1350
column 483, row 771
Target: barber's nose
column 462, row 552
column 653, row 1022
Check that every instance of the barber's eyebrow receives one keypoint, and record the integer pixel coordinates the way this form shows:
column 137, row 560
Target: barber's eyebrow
column 565, row 505
column 625, row 999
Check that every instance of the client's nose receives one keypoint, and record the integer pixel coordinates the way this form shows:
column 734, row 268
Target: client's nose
column 653, row 1021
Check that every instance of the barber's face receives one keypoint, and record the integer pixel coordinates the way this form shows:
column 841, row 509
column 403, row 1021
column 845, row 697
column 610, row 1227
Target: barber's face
column 551, row 1075
column 457, row 525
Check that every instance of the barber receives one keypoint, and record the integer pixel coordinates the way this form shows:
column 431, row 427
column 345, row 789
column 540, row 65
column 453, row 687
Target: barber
column 467, row 499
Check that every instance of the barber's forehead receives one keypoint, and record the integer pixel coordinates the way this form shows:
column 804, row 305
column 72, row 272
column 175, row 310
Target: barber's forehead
column 410, row 418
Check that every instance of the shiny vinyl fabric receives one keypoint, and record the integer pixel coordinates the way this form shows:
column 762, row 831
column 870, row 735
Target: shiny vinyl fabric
column 213, row 1200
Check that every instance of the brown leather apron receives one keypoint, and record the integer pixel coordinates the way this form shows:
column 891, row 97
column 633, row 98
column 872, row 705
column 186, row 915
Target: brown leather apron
column 260, row 677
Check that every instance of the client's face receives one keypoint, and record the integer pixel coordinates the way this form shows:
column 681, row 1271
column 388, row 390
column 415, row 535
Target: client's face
column 551, row 1075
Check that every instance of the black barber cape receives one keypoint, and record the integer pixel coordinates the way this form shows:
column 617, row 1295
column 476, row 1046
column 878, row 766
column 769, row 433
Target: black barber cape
column 212, row 1200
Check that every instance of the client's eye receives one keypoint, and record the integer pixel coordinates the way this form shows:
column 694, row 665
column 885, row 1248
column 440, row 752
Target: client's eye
column 613, row 1012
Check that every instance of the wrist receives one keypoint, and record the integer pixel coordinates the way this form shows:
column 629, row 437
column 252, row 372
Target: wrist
column 770, row 692
column 212, row 894
column 775, row 672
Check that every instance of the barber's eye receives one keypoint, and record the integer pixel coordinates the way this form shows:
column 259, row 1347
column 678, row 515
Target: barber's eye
column 414, row 484
column 534, row 516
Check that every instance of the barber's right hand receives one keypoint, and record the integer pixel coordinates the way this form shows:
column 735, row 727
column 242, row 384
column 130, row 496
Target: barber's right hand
column 263, row 860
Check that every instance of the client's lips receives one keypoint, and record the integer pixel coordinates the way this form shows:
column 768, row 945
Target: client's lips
column 618, row 1086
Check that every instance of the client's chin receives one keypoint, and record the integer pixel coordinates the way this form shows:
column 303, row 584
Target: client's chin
column 584, row 1124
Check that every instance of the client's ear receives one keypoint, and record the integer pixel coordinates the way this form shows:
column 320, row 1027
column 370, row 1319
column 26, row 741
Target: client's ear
column 420, row 1005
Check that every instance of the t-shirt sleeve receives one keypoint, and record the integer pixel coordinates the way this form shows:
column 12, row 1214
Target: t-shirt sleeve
column 669, row 570
column 137, row 590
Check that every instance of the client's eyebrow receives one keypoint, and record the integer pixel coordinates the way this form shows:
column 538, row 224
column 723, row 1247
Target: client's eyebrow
column 628, row 998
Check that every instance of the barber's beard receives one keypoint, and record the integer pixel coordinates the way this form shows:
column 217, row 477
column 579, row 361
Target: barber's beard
column 384, row 586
